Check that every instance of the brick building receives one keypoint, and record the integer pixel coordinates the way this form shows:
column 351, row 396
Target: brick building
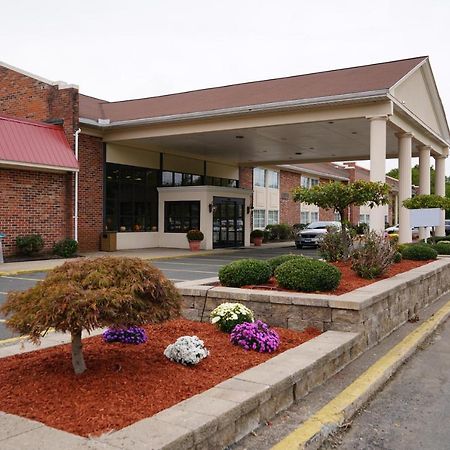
column 150, row 169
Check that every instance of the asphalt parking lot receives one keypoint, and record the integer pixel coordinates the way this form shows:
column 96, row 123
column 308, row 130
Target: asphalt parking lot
column 179, row 269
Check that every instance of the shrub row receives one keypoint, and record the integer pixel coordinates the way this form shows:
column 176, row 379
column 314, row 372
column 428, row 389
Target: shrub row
column 32, row 244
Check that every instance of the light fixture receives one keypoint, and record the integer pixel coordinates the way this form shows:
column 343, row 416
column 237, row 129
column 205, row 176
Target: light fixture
column 311, row 148
column 354, row 132
column 239, row 136
column 249, row 208
column 330, row 122
column 211, row 207
column 298, row 153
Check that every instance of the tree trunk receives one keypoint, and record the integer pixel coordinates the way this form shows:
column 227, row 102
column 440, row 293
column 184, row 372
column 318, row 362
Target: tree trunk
column 344, row 236
column 78, row 363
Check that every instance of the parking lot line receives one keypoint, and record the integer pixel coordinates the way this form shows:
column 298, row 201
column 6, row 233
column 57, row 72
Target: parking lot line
column 191, row 271
column 19, row 278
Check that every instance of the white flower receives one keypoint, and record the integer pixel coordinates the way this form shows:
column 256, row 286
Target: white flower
column 187, row 350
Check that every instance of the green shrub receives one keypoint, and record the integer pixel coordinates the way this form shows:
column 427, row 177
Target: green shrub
column 436, row 239
column 30, row 244
column 442, row 247
column 398, row 258
column 331, row 247
column 195, row 235
column 245, row 271
column 373, row 256
column 420, row 252
column 65, row 248
column 92, row 293
column 280, row 231
column 307, row 275
column 257, row 234
column 227, row 315
column 427, row 201
column 278, row 260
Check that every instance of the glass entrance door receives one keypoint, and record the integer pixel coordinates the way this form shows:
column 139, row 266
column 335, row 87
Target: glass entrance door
column 228, row 222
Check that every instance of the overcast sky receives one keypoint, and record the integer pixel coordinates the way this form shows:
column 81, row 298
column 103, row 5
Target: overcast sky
column 118, row 50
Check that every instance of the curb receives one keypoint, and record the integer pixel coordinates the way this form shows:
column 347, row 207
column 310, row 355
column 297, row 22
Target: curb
column 314, row 431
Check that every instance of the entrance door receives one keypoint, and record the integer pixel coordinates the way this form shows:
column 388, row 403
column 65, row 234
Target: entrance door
column 228, row 222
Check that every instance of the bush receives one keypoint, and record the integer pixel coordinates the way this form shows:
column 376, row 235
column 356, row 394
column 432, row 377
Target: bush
column 186, row 350
column 257, row 234
column 297, row 227
column 419, row 252
column 131, row 335
column 442, row 247
column 374, row 255
column 227, row 315
column 307, row 275
column 245, row 271
column 92, row 293
column 427, row 201
column 278, row 260
column 331, row 246
column 361, row 228
column 436, row 239
column 255, row 336
column 398, row 258
column 65, row 248
column 30, row 244
column 195, row 235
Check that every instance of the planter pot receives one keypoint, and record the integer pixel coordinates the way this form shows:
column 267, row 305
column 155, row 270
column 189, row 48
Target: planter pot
column 194, row 245
column 257, row 241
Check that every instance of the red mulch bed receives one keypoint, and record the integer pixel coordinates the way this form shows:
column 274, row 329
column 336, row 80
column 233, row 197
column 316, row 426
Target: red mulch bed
column 350, row 280
column 123, row 383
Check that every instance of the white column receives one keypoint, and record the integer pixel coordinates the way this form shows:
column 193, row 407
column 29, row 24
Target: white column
column 424, row 180
column 439, row 189
column 404, row 166
column 377, row 166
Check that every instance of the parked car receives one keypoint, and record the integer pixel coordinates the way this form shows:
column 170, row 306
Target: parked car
column 447, row 227
column 313, row 233
column 395, row 229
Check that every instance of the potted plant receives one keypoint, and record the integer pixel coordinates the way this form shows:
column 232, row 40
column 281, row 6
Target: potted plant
column 195, row 237
column 257, row 237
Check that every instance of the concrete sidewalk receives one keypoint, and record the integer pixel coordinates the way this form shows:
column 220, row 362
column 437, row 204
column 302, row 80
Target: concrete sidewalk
column 144, row 253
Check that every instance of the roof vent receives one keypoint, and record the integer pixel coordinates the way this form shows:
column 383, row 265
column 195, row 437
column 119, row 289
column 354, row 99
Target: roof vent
column 103, row 121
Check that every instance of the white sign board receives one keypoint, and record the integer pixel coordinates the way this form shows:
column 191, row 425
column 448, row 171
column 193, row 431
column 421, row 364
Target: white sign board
column 426, row 217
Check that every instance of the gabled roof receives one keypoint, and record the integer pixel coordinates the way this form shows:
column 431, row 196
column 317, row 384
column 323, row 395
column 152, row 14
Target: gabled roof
column 27, row 143
column 374, row 78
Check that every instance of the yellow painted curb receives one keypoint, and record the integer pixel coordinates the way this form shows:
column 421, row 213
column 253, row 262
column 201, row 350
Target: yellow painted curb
column 342, row 407
column 12, row 340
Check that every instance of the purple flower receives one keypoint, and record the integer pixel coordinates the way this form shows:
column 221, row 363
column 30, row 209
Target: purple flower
column 131, row 335
column 255, row 336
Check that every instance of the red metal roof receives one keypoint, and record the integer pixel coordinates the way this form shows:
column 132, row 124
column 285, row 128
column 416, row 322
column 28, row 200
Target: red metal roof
column 35, row 144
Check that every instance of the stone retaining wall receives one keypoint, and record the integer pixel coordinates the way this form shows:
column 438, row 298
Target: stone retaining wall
column 374, row 310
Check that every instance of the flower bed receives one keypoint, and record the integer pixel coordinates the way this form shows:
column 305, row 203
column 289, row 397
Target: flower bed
column 124, row 383
column 350, row 280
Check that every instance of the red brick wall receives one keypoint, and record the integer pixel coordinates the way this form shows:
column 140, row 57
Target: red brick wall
column 246, row 177
column 33, row 203
column 289, row 210
column 90, row 192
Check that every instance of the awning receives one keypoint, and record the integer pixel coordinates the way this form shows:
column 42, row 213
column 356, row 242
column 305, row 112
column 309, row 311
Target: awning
column 29, row 144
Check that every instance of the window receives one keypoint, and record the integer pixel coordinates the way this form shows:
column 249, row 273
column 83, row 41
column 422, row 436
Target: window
column 272, row 179
column 304, row 217
column 272, row 217
column 364, row 218
column 216, row 181
column 131, row 198
column 180, row 217
column 308, row 182
column 259, row 177
column 259, row 218
column 314, row 216
column 337, row 216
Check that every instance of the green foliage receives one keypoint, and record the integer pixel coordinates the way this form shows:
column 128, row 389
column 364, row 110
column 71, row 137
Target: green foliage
column 398, row 258
column 374, row 255
column 298, row 227
column 307, row 275
column 419, row 252
column 442, row 247
column 30, row 244
column 245, row 271
column 361, row 228
column 331, row 247
column 227, row 315
column 281, row 231
column 427, row 201
column 436, row 239
column 93, row 293
column 278, row 260
column 338, row 196
column 257, row 234
column 65, row 248
column 195, row 235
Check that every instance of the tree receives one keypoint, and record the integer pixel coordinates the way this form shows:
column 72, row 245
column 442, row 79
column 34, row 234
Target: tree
column 92, row 293
column 339, row 196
